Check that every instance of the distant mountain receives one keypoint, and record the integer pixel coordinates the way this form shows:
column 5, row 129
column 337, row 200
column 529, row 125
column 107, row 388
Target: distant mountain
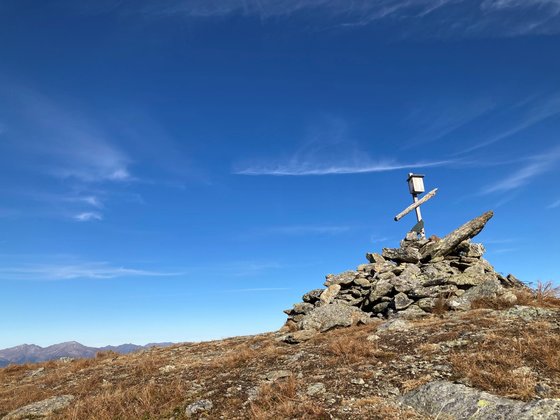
column 30, row 353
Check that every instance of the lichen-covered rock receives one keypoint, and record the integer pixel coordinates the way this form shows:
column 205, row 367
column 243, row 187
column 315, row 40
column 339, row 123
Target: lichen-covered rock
column 312, row 296
column 402, row 301
column 329, row 294
column 327, row 317
column 409, row 254
column 444, row 399
column 343, row 278
column 39, row 409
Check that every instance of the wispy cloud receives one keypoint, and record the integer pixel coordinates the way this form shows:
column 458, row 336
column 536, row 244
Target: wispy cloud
column 537, row 111
column 431, row 17
column 537, row 165
column 329, row 149
column 100, row 270
column 88, row 216
column 72, row 145
column 554, row 205
column 304, row 168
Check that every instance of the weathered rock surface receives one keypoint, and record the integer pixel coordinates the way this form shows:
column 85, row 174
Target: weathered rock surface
column 198, row 407
column 41, row 408
column 450, row 242
column 412, row 281
column 328, row 317
column 455, row 401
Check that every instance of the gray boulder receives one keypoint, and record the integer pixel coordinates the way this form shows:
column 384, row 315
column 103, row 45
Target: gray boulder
column 409, row 254
column 444, row 399
column 334, row 315
column 39, row 409
column 343, row 278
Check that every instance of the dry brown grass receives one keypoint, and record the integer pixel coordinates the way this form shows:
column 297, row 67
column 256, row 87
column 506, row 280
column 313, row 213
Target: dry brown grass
column 545, row 295
column 378, row 408
column 280, row 400
column 440, row 305
column 509, row 363
column 147, row 400
column 354, row 350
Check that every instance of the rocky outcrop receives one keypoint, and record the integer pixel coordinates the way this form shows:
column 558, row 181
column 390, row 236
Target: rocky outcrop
column 454, row 401
column 40, row 409
column 414, row 280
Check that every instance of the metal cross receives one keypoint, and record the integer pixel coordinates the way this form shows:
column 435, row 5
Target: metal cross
column 416, row 186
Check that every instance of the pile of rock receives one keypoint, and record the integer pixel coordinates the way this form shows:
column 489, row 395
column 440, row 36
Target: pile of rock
column 420, row 277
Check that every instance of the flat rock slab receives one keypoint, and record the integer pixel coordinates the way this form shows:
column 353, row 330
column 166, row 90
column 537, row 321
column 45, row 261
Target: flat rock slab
column 444, row 399
column 40, row 408
column 331, row 316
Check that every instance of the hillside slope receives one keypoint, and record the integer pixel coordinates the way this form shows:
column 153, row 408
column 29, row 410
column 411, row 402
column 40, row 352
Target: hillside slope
column 357, row 372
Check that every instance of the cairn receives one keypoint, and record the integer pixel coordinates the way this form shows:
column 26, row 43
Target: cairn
column 412, row 281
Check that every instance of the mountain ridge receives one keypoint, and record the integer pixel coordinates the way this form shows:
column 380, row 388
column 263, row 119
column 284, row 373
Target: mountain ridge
column 32, row 353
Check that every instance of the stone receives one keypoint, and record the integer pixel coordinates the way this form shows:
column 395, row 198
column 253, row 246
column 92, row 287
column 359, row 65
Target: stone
column 167, row 368
column 443, row 399
column 312, row 296
column 380, row 307
column 198, row 407
column 411, row 236
column 382, row 288
column 37, row 372
column 395, row 325
column 343, row 278
column 470, row 250
column 402, row 284
column 527, row 313
column 317, row 388
column 512, row 281
column 327, row 317
column 329, row 294
column 375, row 258
column 488, row 289
column 360, row 281
column 274, row 375
column 446, row 245
column 426, row 304
column 472, row 278
column 366, row 268
column 402, row 301
column 412, row 312
column 302, row 308
column 297, row 337
column 411, row 255
column 44, row 408
column 508, row 297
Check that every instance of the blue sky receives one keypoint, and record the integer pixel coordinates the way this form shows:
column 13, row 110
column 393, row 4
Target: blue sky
column 185, row 170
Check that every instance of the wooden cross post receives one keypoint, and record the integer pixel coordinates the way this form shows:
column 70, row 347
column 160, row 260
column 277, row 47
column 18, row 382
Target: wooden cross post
column 416, row 186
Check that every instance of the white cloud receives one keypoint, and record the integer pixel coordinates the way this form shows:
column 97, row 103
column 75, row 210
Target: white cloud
column 302, row 168
column 431, row 17
column 539, row 111
column 70, row 145
column 554, row 205
column 537, row 166
column 75, row 271
column 329, row 149
column 88, row 216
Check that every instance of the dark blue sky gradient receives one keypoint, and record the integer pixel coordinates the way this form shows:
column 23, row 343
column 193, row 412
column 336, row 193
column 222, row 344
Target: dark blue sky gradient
column 167, row 176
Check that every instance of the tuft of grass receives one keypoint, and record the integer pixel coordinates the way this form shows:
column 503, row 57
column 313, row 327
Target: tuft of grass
column 280, row 400
column 545, row 295
column 494, row 364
